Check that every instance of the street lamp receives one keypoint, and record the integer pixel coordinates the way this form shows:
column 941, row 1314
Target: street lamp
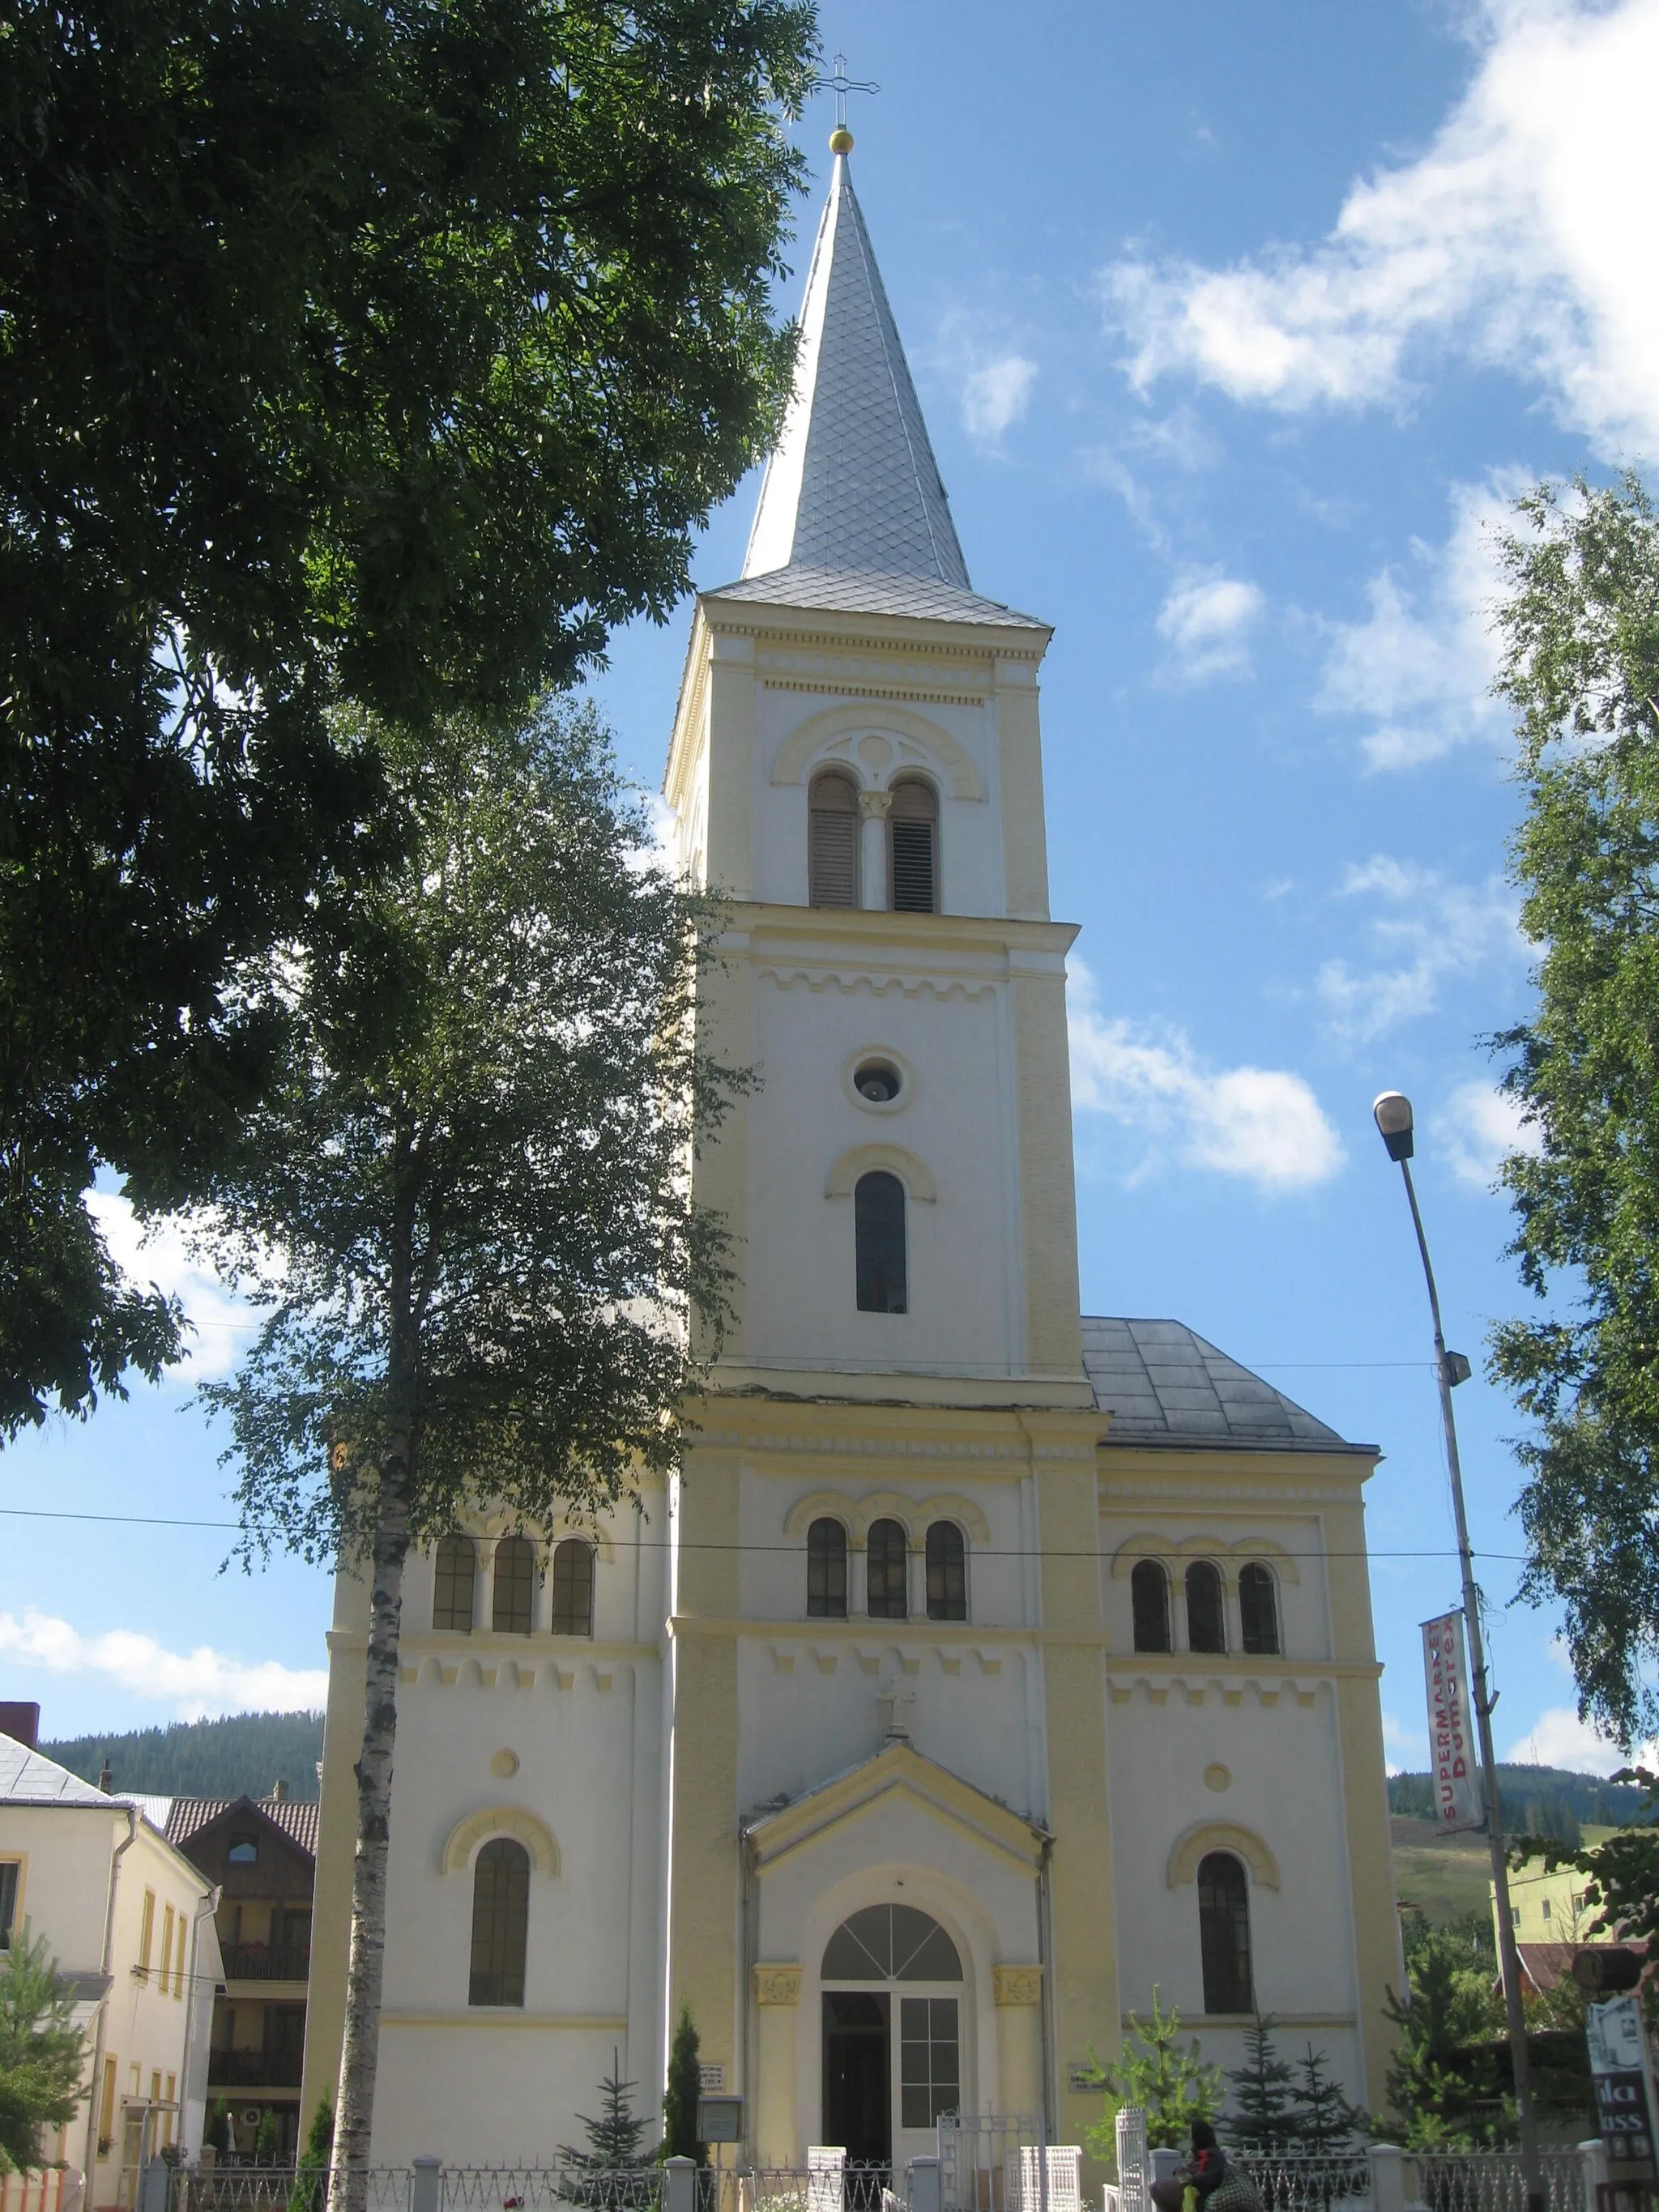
column 1393, row 1115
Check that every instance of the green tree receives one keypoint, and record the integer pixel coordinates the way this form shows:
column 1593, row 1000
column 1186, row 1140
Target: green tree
column 347, row 352
column 266, row 2136
column 464, row 1198
column 310, row 2188
column 1580, row 629
column 1443, row 2091
column 41, row 2051
column 1172, row 2084
column 679, row 2104
column 1621, row 1892
column 1263, row 2114
column 1325, row 2122
column 216, row 2133
column 615, row 2144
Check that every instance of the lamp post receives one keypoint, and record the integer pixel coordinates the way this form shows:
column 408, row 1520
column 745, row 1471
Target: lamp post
column 1393, row 1115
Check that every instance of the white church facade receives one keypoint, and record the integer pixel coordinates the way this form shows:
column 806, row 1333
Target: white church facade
column 987, row 1665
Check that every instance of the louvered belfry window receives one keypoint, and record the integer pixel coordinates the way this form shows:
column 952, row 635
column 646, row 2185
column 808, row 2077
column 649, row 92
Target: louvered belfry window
column 833, row 842
column 913, row 833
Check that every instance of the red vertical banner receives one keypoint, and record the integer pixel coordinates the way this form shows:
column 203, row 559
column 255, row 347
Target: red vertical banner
column 1451, row 1740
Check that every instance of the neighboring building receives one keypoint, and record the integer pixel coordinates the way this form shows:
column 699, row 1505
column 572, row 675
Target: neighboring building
column 987, row 1666
column 1548, row 1907
column 261, row 1855
column 129, row 1921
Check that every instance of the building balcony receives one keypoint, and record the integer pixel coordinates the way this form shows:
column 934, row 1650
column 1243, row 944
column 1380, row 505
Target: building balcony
column 254, row 2070
column 266, row 1962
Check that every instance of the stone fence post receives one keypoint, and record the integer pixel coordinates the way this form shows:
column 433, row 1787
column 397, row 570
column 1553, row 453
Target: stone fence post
column 679, row 2184
column 426, row 2191
column 1388, row 2163
column 1593, row 2157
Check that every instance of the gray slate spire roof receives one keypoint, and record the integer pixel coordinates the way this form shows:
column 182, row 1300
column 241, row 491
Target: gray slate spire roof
column 851, row 513
column 1163, row 1383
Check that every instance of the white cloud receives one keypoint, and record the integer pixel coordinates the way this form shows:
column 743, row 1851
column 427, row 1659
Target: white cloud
column 1428, row 929
column 197, row 1684
column 996, row 395
column 1420, row 667
column 1263, row 1124
column 1477, row 1127
column 1205, row 621
column 158, row 1255
column 1406, row 1750
column 1516, row 238
column 1558, row 1738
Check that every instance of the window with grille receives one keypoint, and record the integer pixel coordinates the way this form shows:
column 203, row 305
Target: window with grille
column 930, row 2062
column 826, row 1570
column 912, row 848
column 1223, row 1928
column 883, row 1282
column 887, row 1572
column 572, row 1587
column 1258, row 1609
column 501, row 1922
column 947, row 1578
column 1207, row 1622
column 832, row 841
column 1149, row 1595
column 453, row 1574
column 513, row 1602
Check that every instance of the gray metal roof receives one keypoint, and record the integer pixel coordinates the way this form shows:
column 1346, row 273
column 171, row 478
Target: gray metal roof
column 866, row 591
column 853, row 483
column 27, row 1778
column 1163, row 1383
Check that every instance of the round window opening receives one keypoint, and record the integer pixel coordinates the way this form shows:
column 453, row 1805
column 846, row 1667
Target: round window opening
column 879, row 1081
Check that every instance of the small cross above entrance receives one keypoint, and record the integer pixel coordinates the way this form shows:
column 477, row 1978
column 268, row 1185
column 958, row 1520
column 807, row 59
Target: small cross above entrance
column 898, row 1703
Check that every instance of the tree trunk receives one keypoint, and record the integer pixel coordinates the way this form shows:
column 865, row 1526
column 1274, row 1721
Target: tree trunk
column 354, row 2107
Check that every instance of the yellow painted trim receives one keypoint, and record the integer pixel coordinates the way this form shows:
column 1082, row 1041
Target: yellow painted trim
column 21, row 1860
column 1191, row 1845
column 777, row 1984
column 468, row 1835
column 1016, row 1985
column 507, row 2016
column 864, row 1159
column 794, row 754
column 1242, row 1549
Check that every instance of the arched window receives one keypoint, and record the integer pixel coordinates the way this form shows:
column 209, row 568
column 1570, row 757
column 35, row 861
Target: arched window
column 501, row 1922
column 826, row 1570
column 572, row 1587
column 1223, row 1931
column 512, row 1604
column 887, row 1572
column 453, row 1577
column 1258, row 1609
column 832, row 841
column 1206, row 1624
column 1149, row 1595
column 878, row 1237
column 947, row 1572
column 890, row 1943
column 912, row 848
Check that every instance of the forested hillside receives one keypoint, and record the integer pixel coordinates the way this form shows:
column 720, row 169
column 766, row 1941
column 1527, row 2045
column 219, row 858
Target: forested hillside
column 1538, row 1801
column 242, row 1754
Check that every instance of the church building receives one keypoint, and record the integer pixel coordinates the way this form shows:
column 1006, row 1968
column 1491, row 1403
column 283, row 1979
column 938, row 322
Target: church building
column 988, row 1666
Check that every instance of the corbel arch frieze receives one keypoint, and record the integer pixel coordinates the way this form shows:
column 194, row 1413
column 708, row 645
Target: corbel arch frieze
column 855, row 1514
column 468, row 1837
column 865, row 1159
column 1180, row 1551
column 490, row 1527
column 1195, row 1843
column 818, row 734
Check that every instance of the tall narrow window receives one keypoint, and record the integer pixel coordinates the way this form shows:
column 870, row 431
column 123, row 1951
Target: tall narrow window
column 826, row 1570
column 9, row 1871
column 146, row 1933
column 1206, row 1625
column 887, row 1572
column 1223, row 1930
column 1149, row 1595
column 453, row 1574
column 947, row 1572
column 514, row 1598
column 913, row 832
column 1258, row 1609
column 878, row 1237
column 832, row 841
column 572, row 1587
column 501, row 1922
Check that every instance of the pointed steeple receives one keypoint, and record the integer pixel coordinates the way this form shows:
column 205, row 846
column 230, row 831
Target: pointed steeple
column 853, row 486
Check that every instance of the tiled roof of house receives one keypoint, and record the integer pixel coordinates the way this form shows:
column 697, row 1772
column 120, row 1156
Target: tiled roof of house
column 1163, row 1383
column 296, row 1817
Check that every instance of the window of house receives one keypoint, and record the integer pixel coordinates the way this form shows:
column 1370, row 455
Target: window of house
column 243, row 1851
column 1223, row 1928
column 947, row 1575
column 10, row 1870
column 512, row 1604
column 572, row 1587
column 167, row 1947
column 878, row 1237
column 501, row 1922
column 1149, row 1597
column 1206, row 1623
column 146, row 1931
column 912, row 848
column 832, row 834
column 826, row 1570
column 1258, row 1609
column 887, row 1569
column 454, row 1575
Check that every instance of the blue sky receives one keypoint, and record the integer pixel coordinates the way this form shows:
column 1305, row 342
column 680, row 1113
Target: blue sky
column 1236, row 325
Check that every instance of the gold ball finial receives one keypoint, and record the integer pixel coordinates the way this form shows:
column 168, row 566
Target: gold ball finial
column 841, row 140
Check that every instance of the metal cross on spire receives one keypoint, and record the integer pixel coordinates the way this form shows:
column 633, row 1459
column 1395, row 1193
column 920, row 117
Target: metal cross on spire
column 841, row 84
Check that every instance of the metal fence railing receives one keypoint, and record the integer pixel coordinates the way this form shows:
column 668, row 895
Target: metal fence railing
column 1310, row 2181
column 1491, row 2181
column 980, row 2160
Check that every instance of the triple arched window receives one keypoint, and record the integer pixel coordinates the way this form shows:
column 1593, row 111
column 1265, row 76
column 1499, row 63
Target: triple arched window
column 886, row 1570
column 454, row 1577
column 835, row 871
column 512, row 1586
column 1205, row 1607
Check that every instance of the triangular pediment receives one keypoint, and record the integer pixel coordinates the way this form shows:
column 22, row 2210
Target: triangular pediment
column 898, row 1772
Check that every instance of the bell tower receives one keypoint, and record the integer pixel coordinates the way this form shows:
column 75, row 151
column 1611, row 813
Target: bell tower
column 856, row 767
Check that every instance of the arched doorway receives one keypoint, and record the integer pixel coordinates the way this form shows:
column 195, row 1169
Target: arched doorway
column 892, row 2034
